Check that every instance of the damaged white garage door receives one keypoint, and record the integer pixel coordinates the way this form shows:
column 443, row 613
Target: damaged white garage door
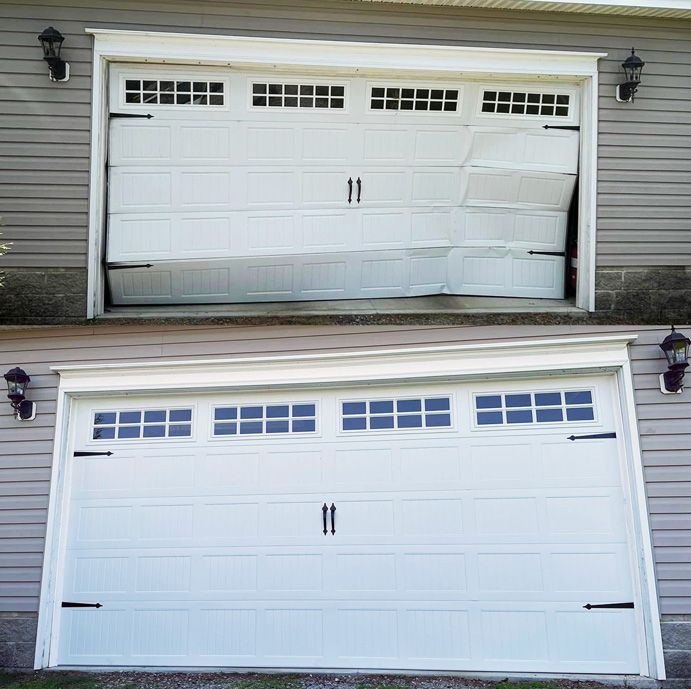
column 244, row 187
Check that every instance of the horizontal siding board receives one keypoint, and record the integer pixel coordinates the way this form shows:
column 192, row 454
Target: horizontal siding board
column 30, row 106
column 12, row 604
column 9, row 575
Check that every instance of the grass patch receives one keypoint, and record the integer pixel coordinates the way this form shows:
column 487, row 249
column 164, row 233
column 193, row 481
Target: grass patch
column 267, row 682
column 506, row 684
column 50, row 680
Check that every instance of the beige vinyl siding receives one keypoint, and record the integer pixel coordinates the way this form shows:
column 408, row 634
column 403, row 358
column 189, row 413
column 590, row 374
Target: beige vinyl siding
column 25, row 450
column 644, row 199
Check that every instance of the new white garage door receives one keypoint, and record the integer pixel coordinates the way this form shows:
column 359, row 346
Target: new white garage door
column 247, row 187
column 440, row 527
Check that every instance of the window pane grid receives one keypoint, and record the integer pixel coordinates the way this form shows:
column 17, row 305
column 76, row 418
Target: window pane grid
column 269, row 419
column 174, row 92
column 414, row 99
column 523, row 103
column 282, row 95
column 131, row 424
column 534, row 408
column 396, row 414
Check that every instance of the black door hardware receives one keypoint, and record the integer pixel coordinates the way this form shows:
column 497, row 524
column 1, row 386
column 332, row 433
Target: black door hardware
column 547, row 253
column 590, row 606
column 594, row 436
column 572, row 127
column 80, row 453
column 333, row 520
column 359, row 188
column 325, row 509
column 118, row 115
column 350, row 189
column 112, row 266
column 67, row 604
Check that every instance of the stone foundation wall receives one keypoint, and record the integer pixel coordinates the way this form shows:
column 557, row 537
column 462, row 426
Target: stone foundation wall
column 17, row 640
column 676, row 640
column 650, row 295
column 43, row 296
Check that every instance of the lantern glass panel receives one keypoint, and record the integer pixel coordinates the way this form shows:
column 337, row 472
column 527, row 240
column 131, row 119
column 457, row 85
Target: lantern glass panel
column 678, row 353
column 17, row 382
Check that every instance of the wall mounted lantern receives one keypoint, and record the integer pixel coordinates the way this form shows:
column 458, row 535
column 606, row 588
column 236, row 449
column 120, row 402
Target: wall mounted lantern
column 676, row 349
column 17, row 383
column 51, row 41
column 633, row 66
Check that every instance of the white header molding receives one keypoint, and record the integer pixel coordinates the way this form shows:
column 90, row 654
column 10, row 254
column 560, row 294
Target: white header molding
column 243, row 51
column 546, row 357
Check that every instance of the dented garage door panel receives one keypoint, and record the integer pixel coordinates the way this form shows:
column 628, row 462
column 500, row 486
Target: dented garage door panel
column 342, row 195
column 468, row 531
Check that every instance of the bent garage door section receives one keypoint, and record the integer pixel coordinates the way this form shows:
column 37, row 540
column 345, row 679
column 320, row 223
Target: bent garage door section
column 467, row 531
column 255, row 187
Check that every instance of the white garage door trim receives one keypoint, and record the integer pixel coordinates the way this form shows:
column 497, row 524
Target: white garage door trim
column 343, row 57
column 463, row 362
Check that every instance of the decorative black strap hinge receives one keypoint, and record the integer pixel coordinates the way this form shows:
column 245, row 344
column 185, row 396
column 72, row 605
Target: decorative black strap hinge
column 573, row 127
column 68, row 604
column 81, row 453
column 593, row 436
column 591, row 606
column 118, row 115
column 547, row 253
column 112, row 266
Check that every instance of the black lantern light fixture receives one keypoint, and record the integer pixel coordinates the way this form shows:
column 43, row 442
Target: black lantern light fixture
column 633, row 66
column 51, row 41
column 17, row 383
column 676, row 349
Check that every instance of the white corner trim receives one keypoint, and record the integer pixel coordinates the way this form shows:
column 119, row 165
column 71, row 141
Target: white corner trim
column 645, row 566
column 321, row 55
column 549, row 356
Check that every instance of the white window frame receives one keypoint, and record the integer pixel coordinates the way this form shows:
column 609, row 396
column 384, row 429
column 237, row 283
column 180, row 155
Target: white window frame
column 423, row 430
column 140, row 73
column 527, row 359
column 263, row 436
column 308, row 81
column 381, row 59
column 535, row 425
column 505, row 117
column 419, row 84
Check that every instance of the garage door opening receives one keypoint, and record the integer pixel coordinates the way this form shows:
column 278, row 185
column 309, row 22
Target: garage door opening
column 229, row 187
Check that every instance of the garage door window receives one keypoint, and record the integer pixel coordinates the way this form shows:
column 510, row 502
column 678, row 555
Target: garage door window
column 396, row 414
column 534, row 408
column 174, row 92
column 525, row 103
column 417, row 99
column 294, row 95
column 142, row 424
column 270, row 419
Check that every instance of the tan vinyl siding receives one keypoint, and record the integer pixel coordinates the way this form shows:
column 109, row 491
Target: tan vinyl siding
column 25, row 450
column 644, row 200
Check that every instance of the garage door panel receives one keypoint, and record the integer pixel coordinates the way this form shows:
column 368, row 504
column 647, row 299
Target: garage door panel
column 294, row 636
column 525, row 149
column 505, row 187
column 466, row 548
column 536, row 230
column 307, row 277
column 500, row 271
